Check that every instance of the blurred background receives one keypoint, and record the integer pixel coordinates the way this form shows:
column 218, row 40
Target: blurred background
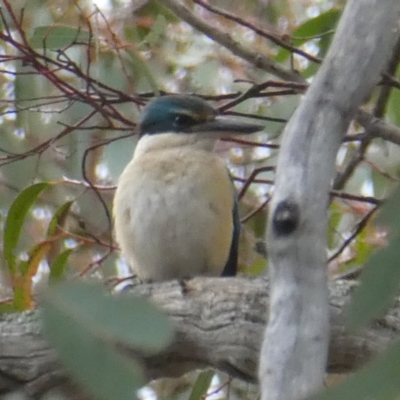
column 73, row 78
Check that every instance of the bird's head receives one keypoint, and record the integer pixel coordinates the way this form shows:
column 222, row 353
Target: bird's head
column 189, row 116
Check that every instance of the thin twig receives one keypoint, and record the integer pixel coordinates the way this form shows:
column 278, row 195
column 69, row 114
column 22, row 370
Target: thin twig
column 357, row 230
column 268, row 35
column 379, row 110
column 255, row 211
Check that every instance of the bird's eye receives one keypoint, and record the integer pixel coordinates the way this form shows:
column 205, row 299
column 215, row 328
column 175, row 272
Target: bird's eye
column 183, row 121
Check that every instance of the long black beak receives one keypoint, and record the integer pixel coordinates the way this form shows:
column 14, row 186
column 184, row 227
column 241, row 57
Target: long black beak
column 226, row 126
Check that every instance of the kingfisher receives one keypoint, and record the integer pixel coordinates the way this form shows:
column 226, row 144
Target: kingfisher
column 175, row 208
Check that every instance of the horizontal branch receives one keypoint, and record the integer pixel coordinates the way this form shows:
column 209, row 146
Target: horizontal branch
column 376, row 127
column 219, row 323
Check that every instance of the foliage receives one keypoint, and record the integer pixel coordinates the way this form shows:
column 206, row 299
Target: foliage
column 87, row 328
column 381, row 275
column 379, row 380
column 202, row 385
column 379, row 284
column 74, row 77
column 21, row 274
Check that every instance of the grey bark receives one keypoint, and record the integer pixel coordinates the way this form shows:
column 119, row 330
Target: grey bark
column 295, row 346
column 218, row 323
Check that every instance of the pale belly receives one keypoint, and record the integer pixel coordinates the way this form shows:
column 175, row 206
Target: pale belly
column 174, row 219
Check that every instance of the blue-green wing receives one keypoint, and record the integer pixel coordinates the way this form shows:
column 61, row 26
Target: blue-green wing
column 230, row 268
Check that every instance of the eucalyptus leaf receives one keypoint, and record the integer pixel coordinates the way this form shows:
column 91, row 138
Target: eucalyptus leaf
column 58, row 218
column 202, row 384
column 319, row 26
column 393, row 106
column 381, row 275
column 156, row 31
column 57, row 37
column 94, row 362
column 59, row 265
column 124, row 319
column 15, row 219
column 379, row 380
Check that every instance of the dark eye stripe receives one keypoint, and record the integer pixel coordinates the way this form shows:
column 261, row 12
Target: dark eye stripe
column 183, row 121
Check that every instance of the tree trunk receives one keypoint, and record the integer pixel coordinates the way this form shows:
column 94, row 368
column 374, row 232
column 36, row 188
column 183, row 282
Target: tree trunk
column 296, row 340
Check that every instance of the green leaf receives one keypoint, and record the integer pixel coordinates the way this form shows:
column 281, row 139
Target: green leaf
column 7, row 308
column 390, row 211
column 362, row 249
column 85, row 325
column 335, row 216
column 156, row 31
column 140, row 67
column 316, row 26
column 58, row 218
column 57, row 37
column 312, row 28
column 28, row 268
column 22, row 281
column 257, row 268
column 154, row 8
column 129, row 320
column 59, row 265
column 379, row 284
column 94, row 362
column 393, row 107
column 379, row 380
column 381, row 275
column 202, row 384
column 15, row 219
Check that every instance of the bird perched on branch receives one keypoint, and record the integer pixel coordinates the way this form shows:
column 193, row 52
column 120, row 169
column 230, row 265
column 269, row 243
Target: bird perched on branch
column 175, row 207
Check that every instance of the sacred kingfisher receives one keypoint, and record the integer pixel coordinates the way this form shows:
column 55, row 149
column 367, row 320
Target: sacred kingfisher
column 175, row 207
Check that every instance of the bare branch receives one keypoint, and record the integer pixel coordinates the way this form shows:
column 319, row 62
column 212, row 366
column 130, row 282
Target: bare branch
column 356, row 231
column 380, row 106
column 224, row 39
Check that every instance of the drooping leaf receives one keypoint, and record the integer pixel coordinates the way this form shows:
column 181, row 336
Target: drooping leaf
column 22, row 281
column 85, row 324
column 379, row 380
column 57, row 37
column 335, row 216
column 258, row 267
column 202, row 384
column 320, row 26
column 56, row 258
column 59, row 265
column 15, row 219
column 154, row 8
column 157, row 30
column 36, row 254
column 27, row 269
column 393, row 107
column 94, row 362
column 129, row 320
column 141, row 67
column 7, row 307
column 381, row 275
column 363, row 250
column 58, row 218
